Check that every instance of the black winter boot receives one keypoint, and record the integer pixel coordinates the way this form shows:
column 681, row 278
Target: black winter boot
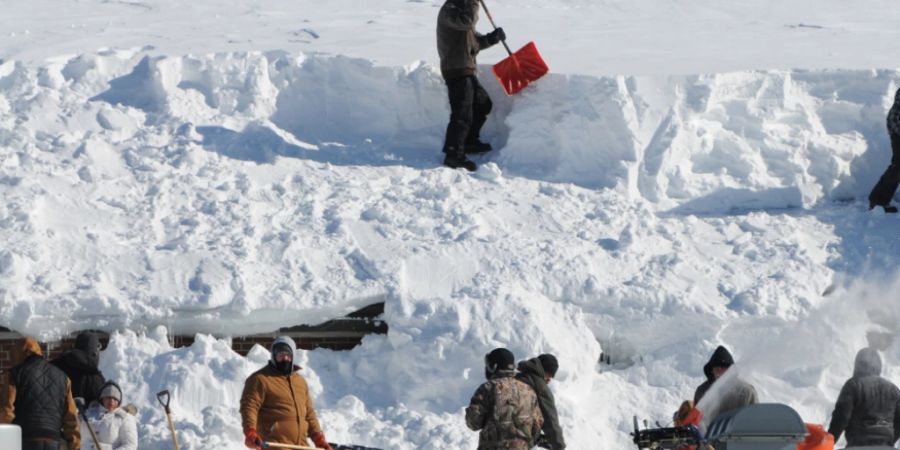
column 455, row 161
column 890, row 209
column 477, row 147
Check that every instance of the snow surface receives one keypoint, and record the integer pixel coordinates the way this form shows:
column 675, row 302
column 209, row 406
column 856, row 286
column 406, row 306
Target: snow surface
column 700, row 179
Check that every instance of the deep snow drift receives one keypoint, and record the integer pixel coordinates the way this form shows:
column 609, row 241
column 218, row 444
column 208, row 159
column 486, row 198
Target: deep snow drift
column 646, row 217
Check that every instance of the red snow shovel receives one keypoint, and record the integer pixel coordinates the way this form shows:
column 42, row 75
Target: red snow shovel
column 519, row 69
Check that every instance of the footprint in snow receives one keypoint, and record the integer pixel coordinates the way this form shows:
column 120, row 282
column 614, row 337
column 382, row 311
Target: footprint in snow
column 307, row 32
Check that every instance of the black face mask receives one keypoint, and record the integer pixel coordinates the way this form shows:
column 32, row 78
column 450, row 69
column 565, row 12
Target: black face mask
column 285, row 367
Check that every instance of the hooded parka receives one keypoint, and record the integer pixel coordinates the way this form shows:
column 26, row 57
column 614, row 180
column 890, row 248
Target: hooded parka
column 531, row 372
column 868, row 407
column 738, row 392
column 81, row 366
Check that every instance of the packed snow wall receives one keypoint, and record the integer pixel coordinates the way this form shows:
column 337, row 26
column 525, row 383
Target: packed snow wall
column 236, row 193
column 210, row 175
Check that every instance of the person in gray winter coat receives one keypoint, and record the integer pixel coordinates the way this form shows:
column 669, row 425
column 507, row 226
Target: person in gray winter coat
column 458, row 44
column 868, row 407
column 736, row 394
column 538, row 373
column 886, row 187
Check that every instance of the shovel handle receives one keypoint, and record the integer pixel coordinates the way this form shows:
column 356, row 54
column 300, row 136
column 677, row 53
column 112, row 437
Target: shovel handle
column 491, row 19
column 294, row 447
column 164, row 399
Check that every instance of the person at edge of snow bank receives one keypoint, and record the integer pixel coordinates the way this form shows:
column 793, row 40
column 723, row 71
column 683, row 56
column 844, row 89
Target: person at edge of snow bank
column 886, row 187
column 458, row 44
column 276, row 406
column 37, row 397
column 868, row 407
column 538, row 373
column 504, row 409
column 115, row 427
column 735, row 395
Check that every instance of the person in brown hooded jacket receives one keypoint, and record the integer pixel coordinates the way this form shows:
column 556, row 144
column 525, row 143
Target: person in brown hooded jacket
column 276, row 406
column 458, row 44
column 38, row 398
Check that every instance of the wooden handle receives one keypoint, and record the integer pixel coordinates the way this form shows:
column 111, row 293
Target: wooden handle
column 91, row 429
column 172, row 429
column 295, row 447
column 491, row 19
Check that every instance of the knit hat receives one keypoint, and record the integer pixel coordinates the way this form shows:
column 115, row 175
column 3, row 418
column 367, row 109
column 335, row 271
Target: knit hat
column 111, row 389
column 499, row 359
column 549, row 363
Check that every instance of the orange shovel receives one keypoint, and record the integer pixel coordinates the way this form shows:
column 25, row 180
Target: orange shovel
column 519, row 69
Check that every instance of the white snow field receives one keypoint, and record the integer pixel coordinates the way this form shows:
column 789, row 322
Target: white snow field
column 690, row 174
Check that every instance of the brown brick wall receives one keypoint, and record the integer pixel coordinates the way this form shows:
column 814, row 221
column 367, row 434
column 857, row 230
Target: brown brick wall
column 241, row 345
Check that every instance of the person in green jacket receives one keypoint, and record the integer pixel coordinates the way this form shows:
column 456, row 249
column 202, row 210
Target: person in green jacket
column 538, row 373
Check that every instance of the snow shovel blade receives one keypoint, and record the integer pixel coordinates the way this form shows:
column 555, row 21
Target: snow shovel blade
column 520, row 69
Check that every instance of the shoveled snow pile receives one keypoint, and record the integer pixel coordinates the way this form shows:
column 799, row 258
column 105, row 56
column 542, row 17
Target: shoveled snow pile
column 162, row 181
column 194, row 191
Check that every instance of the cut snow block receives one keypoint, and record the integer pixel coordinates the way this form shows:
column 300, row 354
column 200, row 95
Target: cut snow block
column 10, row 437
column 766, row 426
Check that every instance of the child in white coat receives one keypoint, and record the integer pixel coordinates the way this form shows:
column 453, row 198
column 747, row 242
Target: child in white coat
column 115, row 428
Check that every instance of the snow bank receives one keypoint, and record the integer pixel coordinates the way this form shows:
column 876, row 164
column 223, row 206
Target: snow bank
column 746, row 140
column 652, row 217
column 404, row 391
column 407, row 390
column 144, row 190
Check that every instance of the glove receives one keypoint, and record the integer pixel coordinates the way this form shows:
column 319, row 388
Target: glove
column 321, row 441
column 251, row 439
column 496, row 36
column 687, row 414
column 542, row 442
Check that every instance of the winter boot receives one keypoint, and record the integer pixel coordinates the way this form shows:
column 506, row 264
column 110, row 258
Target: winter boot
column 477, row 147
column 890, row 209
column 455, row 161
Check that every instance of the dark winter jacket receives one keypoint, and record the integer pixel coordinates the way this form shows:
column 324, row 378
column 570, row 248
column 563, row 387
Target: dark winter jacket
column 868, row 407
column 505, row 411
column 893, row 118
column 457, row 42
column 739, row 393
column 532, row 373
column 38, row 398
column 80, row 365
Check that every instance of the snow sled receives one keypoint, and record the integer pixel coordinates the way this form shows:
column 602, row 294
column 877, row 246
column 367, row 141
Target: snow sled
column 767, row 426
column 11, row 437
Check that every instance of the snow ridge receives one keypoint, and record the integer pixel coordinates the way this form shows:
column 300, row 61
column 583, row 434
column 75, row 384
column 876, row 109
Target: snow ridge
column 652, row 216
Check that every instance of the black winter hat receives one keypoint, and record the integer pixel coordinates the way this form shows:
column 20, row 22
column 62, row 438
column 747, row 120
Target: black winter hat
column 549, row 363
column 720, row 358
column 499, row 359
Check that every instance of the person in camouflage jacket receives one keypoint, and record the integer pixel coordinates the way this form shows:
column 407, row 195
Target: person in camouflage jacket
column 504, row 409
column 886, row 187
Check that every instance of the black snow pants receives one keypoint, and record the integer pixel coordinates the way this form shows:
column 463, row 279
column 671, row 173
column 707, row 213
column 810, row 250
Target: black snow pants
column 40, row 445
column 469, row 108
column 884, row 191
